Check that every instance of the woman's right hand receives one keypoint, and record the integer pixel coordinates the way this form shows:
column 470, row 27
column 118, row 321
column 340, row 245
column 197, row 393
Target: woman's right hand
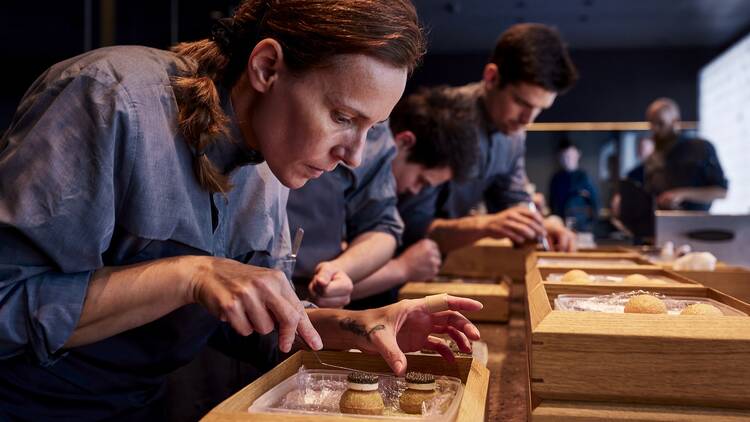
column 251, row 299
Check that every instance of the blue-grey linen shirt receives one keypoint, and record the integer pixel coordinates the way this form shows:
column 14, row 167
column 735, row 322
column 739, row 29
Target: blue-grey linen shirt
column 341, row 205
column 94, row 173
column 498, row 178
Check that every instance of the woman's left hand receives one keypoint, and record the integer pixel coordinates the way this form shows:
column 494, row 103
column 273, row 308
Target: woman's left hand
column 407, row 326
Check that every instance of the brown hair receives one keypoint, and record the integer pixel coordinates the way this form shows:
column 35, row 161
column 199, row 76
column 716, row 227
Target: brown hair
column 444, row 128
column 534, row 53
column 311, row 33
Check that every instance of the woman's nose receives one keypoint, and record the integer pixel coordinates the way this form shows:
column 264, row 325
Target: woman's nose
column 352, row 155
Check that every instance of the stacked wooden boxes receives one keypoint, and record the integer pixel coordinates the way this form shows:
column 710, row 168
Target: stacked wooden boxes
column 601, row 366
column 482, row 271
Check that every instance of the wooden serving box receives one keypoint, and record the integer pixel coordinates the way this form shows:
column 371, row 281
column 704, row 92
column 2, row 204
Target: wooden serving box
column 684, row 288
column 625, row 261
column 635, row 366
column 474, row 376
column 488, row 257
column 495, row 297
column 734, row 281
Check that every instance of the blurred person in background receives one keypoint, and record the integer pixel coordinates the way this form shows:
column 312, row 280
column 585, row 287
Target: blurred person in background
column 573, row 196
column 683, row 173
column 644, row 148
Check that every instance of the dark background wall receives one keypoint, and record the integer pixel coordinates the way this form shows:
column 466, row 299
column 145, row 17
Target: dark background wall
column 615, row 85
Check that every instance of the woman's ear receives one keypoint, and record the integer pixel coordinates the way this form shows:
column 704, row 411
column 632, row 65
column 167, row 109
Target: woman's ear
column 264, row 64
column 405, row 140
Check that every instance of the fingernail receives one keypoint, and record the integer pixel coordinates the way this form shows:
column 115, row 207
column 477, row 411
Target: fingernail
column 317, row 343
column 398, row 367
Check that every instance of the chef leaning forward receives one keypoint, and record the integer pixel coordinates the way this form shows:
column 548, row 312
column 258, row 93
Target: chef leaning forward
column 142, row 192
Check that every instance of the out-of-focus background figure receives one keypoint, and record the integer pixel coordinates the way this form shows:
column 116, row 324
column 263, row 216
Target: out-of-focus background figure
column 573, row 196
column 683, row 173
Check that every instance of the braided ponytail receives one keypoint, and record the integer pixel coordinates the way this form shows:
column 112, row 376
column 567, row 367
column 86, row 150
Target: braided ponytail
column 201, row 118
column 310, row 32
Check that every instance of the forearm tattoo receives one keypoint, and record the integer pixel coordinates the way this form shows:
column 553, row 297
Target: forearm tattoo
column 350, row 324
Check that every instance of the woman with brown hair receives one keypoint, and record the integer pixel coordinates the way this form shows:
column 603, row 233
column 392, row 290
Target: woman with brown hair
column 142, row 195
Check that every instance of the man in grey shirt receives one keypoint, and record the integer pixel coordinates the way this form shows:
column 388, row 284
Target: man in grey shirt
column 528, row 68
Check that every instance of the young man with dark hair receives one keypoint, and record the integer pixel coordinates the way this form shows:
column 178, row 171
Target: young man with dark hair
column 435, row 140
column 430, row 141
column 529, row 67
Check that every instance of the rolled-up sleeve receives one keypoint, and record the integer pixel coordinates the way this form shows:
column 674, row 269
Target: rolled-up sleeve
column 506, row 190
column 371, row 203
column 57, row 207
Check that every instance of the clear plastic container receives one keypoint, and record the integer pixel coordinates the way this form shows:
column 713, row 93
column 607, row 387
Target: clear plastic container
column 317, row 392
column 615, row 303
column 617, row 279
column 586, row 262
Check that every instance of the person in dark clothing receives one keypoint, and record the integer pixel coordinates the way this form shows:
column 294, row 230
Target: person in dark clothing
column 684, row 173
column 572, row 195
column 645, row 149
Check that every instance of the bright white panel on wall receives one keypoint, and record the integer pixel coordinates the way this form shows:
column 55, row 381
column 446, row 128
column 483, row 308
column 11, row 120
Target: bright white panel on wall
column 724, row 107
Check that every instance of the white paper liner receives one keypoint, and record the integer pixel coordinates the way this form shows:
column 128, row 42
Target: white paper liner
column 362, row 387
column 421, row 387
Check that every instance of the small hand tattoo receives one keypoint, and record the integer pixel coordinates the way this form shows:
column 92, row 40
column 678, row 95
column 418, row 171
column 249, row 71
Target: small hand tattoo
column 350, row 324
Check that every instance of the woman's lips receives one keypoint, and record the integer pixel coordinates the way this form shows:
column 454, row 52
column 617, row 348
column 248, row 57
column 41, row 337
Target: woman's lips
column 315, row 171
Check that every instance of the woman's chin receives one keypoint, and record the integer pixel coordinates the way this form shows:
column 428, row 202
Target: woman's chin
column 294, row 182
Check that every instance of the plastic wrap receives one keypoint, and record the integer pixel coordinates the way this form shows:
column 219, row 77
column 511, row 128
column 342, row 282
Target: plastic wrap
column 317, row 392
column 615, row 303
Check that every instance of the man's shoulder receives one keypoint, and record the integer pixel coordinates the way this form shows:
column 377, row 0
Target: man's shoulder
column 695, row 144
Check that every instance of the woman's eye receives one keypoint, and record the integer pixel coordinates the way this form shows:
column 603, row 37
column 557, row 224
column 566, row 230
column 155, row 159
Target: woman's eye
column 341, row 119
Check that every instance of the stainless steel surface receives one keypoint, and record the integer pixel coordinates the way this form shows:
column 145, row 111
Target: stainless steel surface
column 679, row 226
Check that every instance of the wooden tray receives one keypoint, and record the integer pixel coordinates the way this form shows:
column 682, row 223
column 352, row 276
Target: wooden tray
column 495, row 297
column 734, row 281
column 472, row 408
column 626, row 261
column 488, row 258
column 682, row 289
column 571, row 411
column 637, row 358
